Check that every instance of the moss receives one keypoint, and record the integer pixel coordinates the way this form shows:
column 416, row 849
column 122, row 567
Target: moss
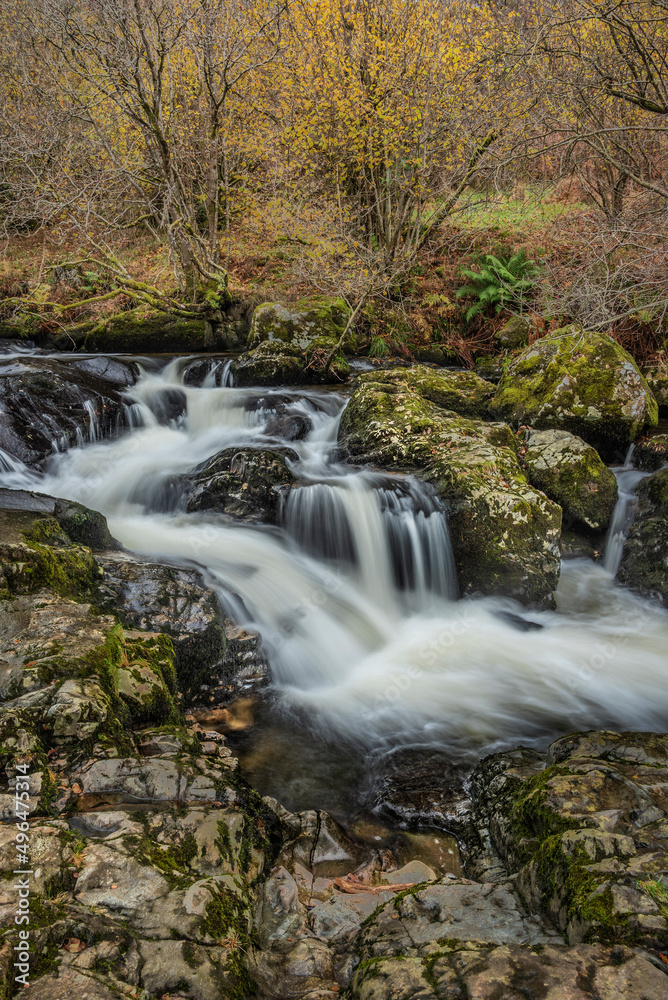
column 223, row 842
column 169, row 861
column 226, row 914
column 581, row 382
column 505, row 534
column 241, row 985
column 46, row 531
column 70, row 571
column 47, row 796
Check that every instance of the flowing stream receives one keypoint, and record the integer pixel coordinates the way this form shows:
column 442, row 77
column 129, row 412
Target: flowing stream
column 355, row 592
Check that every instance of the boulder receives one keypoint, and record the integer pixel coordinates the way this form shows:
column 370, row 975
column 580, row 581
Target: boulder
column 582, row 382
column 505, row 534
column 571, row 473
column 644, row 565
column 460, row 391
column 243, row 483
column 583, row 831
column 514, row 333
column 48, row 406
column 300, row 324
column 288, row 345
column 176, row 602
column 651, row 453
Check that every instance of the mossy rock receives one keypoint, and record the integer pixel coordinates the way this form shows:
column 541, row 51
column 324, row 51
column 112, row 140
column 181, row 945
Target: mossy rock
column 301, row 323
column 651, row 453
column 275, row 362
column 571, row 473
column 272, row 363
column 515, row 333
column 582, row 382
column 577, row 828
column 658, row 383
column 462, row 392
column 84, row 526
column 505, row 534
column 644, row 565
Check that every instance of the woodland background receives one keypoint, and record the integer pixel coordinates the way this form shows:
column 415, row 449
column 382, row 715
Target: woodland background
column 184, row 154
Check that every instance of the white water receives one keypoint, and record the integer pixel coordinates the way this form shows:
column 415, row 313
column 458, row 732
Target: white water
column 628, row 478
column 355, row 595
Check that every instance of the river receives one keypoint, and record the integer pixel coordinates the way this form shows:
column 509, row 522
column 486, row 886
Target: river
column 354, row 591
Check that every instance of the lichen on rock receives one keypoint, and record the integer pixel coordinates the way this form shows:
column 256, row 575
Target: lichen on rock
column 571, row 473
column 505, row 534
column 582, row 382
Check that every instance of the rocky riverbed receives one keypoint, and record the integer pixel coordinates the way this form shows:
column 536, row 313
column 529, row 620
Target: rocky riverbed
column 468, row 866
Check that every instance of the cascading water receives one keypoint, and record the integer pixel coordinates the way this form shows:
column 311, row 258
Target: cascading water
column 627, row 477
column 354, row 592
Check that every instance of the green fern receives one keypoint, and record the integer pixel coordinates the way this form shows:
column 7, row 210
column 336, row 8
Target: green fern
column 499, row 283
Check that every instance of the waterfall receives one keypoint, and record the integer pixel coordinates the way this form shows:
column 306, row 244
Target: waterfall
column 354, row 592
column 394, row 538
column 627, row 478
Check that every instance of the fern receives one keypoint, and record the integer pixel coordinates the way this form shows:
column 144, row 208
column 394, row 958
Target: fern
column 499, row 283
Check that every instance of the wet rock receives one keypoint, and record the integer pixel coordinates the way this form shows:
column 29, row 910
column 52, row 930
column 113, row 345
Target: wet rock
column 580, row 382
column 48, row 404
column 571, row 473
column 651, row 453
column 585, row 831
column 421, row 787
column 289, row 426
column 505, row 534
column 243, row 483
column 159, row 598
column 120, row 373
column 644, row 565
column 167, row 405
column 84, row 526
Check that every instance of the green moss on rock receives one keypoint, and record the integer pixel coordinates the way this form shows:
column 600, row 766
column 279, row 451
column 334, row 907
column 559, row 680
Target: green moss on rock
column 505, row 534
column 571, row 473
column 578, row 381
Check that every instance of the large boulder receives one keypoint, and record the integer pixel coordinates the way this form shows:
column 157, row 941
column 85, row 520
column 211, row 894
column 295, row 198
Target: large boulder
column 644, row 565
column 299, row 324
column 461, row 391
column 244, row 483
column 505, row 534
column 571, row 473
column 581, row 382
column 583, row 831
column 289, row 345
column 46, row 406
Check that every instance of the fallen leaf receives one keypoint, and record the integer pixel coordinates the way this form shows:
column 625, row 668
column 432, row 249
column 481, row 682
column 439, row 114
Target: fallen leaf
column 74, row 945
